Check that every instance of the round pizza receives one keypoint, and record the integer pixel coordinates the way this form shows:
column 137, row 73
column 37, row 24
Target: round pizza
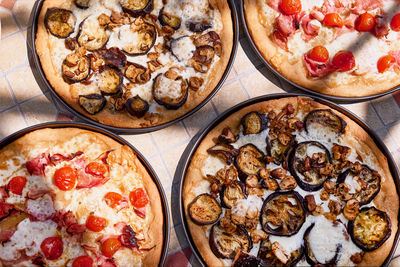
column 134, row 63
column 71, row 197
column 290, row 182
column 340, row 48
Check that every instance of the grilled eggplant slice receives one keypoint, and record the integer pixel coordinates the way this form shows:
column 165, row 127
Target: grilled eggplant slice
column 279, row 152
column 167, row 19
column 60, row 22
column 136, row 106
column 109, row 81
column 92, row 103
column 254, row 123
column 227, row 136
column 113, row 57
column 249, row 160
column 225, row 245
column 137, row 73
column 137, row 8
column 370, row 229
column 138, row 37
column 75, row 68
column 170, row 93
column 324, row 119
column 198, row 26
column 243, row 259
column 91, row 35
column 182, row 48
column 224, row 151
column 283, row 213
column 84, row 4
column 202, row 58
column 204, row 209
column 306, row 161
column 231, row 193
column 267, row 254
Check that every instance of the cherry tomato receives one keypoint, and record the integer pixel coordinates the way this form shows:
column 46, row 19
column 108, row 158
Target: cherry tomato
column 385, row 62
column 319, row 54
column 110, row 246
column 113, row 199
column 395, row 23
column 344, row 61
column 83, row 261
column 365, row 22
column 65, row 178
column 96, row 168
column 333, row 20
column 52, row 247
column 138, row 198
column 95, row 224
column 290, row 7
column 16, row 185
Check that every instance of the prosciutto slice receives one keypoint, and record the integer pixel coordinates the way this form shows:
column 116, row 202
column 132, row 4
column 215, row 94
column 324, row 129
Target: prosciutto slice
column 6, row 209
column 37, row 165
column 362, row 6
column 317, row 69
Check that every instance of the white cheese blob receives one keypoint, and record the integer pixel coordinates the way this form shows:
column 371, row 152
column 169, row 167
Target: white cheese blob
column 183, row 48
column 259, row 140
column 41, row 208
column 249, row 204
column 211, row 165
column 168, row 88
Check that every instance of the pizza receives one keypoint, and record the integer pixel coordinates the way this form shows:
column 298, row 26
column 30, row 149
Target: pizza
column 340, row 48
column 290, row 182
column 134, row 63
column 72, row 197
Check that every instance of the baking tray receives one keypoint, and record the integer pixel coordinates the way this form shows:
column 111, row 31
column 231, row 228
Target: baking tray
column 187, row 155
column 44, row 84
column 271, row 68
column 146, row 164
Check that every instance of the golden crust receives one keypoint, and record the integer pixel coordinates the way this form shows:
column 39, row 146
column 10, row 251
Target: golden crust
column 123, row 119
column 296, row 71
column 386, row 200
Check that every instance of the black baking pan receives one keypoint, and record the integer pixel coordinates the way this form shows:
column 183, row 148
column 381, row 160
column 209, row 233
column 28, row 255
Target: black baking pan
column 44, row 84
column 166, row 227
column 187, row 155
column 271, row 68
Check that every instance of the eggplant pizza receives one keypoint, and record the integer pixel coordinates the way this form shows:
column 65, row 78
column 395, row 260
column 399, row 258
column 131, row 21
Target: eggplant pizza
column 134, row 63
column 70, row 197
column 341, row 48
column 290, row 182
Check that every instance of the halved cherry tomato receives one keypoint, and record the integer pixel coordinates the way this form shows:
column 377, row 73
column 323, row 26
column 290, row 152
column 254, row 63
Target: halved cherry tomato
column 95, row 223
column 344, row 61
column 113, row 199
column 385, row 62
column 83, row 261
column 365, row 22
column 138, row 198
column 319, row 54
column 16, row 185
column 110, row 246
column 333, row 20
column 65, row 178
column 52, row 247
column 290, row 7
column 96, row 168
column 395, row 23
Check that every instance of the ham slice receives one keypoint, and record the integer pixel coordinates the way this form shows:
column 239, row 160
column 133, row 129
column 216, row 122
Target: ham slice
column 361, row 6
column 318, row 15
column 3, row 193
column 76, row 228
column 6, row 235
column 317, row 69
column 274, row 4
column 335, row 6
column 68, row 220
column 37, row 165
column 37, row 193
column 280, row 40
column 381, row 28
column 22, row 258
column 396, row 55
column 310, row 30
column 128, row 238
column 57, row 158
column 286, row 25
column 6, row 209
column 86, row 180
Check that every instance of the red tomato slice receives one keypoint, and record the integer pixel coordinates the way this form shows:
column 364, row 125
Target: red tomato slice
column 65, row 178
column 83, row 261
column 113, row 199
column 96, row 169
column 95, row 223
column 385, row 62
column 319, row 54
column 52, row 247
column 16, row 185
column 365, row 22
column 290, row 7
column 333, row 20
column 395, row 23
column 110, row 246
column 344, row 61
column 138, row 198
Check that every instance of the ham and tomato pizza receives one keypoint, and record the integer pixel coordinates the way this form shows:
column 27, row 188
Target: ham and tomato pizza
column 71, row 197
column 345, row 48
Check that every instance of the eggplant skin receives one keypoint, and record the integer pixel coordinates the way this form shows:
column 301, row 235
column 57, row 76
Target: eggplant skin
column 238, row 187
column 325, row 118
column 53, row 14
column 136, row 106
column 265, row 253
column 254, row 123
column 204, row 209
column 353, row 225
column 248, row 260
column 249, row 161
column 168, row 102
column 92, row 103
column 83, row 4
column 143, row 29
column 146, row 9
column 100, row 41
column 111, row 80
column 198, row 26
column 163, row 17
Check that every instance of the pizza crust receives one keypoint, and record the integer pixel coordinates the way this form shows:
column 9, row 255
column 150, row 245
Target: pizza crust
column 386, row 200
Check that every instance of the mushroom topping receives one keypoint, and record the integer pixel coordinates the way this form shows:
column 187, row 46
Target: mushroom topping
column 136, row 8
column 170, row 93
column 76, row 67
column 254, row 123
column 60, row 22
column 279, row 149
column 227, row 136
column 109, row 81
column 136, row 106
column 224, row 151
column 204, row 209
column 167, row 19
column 324, row 121
column 92, row 103
column 198, row 26
column 231, row 193
column 182, row 48
column 243, row 259
column 211, row 39
column 202, row 58
column 275, row 255
column 84, row 4
column 91, row 34
column 249, row 160
column 137, row 73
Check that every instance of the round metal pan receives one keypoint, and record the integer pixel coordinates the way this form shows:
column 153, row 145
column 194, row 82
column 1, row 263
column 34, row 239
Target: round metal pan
column 166, row 227
column 326, row 96
column 44, row 84
column 187, row 155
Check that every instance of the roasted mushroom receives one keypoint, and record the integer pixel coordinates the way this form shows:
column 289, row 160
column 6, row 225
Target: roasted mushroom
column 138, row 38
column 170, row 93
column 137, row 73
column 75, row 68
column 210, row 38
column 306, row 161
column 282, row 213
column 204, row 209
column 109, row 81
column 254, row 123
column 91, row 35
column 182, row 48
column 278, row 151
column 113, row 57
column 370, row 229
column 227, row 136
column 137, row 106
column 267, row 253
column 60, row 22
column 224, row 151
column 225, row 245
column 231, row 193
column 92, row 103
column 202, row 58
column 84, row 4
column 198, row 26
column 167, row 19
column 243, row 259
column 137, row 8
column 249, row 160
column 324, row 121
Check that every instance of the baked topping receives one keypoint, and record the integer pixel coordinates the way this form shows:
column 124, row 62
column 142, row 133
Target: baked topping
column 91, row 34
column 60, row 22
column 324, row 120
column 204, row 209
column 92, row 103
column 109, row 81
column 231, row 193
column 167, row 19
column 136, row 106
column 137, row 7
column 171, row 93
column 84, row 4
column 254, row 123
column 249, row 160
column 275, row 255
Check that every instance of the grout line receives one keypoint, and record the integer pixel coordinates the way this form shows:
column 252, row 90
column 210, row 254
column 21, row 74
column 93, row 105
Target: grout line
column 16, row 20
column 15, row 69
column 244, row 89
column 159, row 154
column 214, row 107
column 377, row 113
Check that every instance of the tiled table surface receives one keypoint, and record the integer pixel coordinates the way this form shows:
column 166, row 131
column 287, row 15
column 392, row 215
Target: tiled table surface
column 23, row 103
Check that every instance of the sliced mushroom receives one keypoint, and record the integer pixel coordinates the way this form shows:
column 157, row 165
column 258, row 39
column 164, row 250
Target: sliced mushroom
column 254, row 123
column 231, row 193
column 92, row 103
column 170, row 93
column 137, row 8
column 202, row 58
column 182, row 48
column 227, row 136
column 75, row 68
column 249, row 160
column 324, row 120
column 167, row 19
column 91, row 34
column 137, row 106
column 109, row 81
column 278, row 151
column 204, row 209
column 84, row 4
column 199, row 26
column 267, row 254
column 137, row 73
column 113, row 57
column 60, row 22
column 210, row 38
column 138, row 37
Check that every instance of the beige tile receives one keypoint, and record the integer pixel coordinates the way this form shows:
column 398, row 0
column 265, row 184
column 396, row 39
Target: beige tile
column 396, row 158
column 11, row 121
column 395, row 262
column 171, row 158
column 8, row 24
column 387, row 109
column 23, row 84
column 366, row 112
column 242, row 62
column 39, row 110
column 12, row 51
column 228, row 96
column 22, row 10
column 8, row 3
column 170, row 136
column 394, row 131
column 5, row 96
column 143, row 143
column 158, row 166
column 200, row 119
column 257, row 84
column 177, row 235
column 231, row 75
column 387, row 139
